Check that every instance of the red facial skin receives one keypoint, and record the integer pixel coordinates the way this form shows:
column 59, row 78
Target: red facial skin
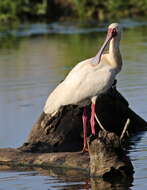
column 112, row 32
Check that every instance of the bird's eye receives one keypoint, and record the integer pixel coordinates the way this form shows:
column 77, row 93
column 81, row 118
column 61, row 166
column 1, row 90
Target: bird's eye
column 114, row 32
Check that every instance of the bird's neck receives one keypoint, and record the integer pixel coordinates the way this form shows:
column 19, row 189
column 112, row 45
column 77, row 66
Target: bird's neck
column 114, row 54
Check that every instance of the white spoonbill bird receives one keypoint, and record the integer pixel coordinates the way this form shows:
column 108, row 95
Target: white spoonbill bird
column 89, row 79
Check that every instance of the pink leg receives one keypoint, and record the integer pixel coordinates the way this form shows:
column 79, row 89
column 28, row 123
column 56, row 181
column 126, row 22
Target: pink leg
column 84, row 117
column 92, row 121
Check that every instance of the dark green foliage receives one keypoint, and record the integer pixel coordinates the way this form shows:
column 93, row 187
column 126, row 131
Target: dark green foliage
column 106, row 9
column 32, row 10
column 21, row 9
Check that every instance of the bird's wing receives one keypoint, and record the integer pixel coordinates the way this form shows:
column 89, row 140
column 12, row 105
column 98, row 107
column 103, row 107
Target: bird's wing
column 64, row 93
column 83, row 82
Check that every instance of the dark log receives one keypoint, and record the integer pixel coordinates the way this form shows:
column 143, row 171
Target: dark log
column 64, row 131
column 107, row 158
column 16, row 158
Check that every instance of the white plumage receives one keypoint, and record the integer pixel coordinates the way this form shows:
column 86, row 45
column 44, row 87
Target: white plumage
column 82, row 83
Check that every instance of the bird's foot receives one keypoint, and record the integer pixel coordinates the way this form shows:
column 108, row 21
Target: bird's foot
column 85, row 149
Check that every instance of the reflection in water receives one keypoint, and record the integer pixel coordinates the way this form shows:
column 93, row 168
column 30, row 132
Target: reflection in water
column 58, row 179
column 30, row 67
column 105, row 185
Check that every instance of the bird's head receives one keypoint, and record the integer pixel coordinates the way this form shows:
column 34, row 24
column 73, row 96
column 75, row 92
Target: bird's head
column 114, row 31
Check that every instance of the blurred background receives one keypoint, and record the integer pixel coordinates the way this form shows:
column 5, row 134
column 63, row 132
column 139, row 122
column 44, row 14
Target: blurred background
column 48, row 10
column 40, row 41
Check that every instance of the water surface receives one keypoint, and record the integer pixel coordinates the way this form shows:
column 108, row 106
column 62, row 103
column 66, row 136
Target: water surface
column 34, row 59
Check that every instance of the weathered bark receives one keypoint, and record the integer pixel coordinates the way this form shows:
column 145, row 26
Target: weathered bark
column 107, row 157
column 64, row 132
column 15, row 158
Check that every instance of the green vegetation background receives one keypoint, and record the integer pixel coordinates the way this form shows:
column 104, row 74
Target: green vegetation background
column 34, row 10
